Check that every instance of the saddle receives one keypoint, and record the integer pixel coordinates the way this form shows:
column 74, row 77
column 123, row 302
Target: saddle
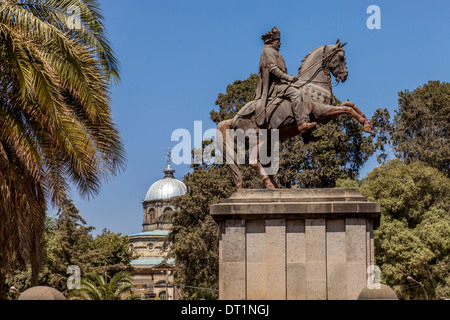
column 269, row 121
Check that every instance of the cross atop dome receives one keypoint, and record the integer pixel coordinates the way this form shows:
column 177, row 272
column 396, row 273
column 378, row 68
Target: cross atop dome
column 169, row 171
column 168, row 156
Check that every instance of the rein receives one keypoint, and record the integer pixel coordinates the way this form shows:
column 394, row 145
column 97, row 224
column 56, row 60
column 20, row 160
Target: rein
column 326, row 57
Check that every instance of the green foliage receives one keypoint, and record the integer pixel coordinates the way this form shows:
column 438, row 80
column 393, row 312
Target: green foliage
column 109, row 253
column 414, row 235
column 420, row 128
column 348, row 183
column 195, row 235
column 68, row 241
column 99, row 288
column 236, row 96
column 340, row 154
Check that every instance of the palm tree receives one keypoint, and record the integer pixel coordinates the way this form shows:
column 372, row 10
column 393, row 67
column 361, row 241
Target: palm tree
column 56, row 127
column 117, row 288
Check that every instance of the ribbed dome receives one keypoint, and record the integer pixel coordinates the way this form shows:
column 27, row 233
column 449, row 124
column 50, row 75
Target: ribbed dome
column 166, row 188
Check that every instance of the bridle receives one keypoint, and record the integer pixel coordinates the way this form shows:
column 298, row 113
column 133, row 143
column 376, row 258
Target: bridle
column 325, row 60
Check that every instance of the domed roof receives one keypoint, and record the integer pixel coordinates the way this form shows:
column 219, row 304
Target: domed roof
column 166, row 188
column 381, row 293
column 41, row 293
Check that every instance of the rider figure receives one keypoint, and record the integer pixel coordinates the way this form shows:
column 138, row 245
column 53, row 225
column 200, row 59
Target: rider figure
column 275, row 82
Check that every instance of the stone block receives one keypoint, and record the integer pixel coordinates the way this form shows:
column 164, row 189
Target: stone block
column 295, row 260
column 336, row 260
column 316, row 269
column 356, row 246
column 233, row 241
column 233, row 259
column 275, row 259
column 233, row 281
column 256, row 260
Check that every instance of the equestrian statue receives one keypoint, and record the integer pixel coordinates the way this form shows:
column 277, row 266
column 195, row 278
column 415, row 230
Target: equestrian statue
column 292, row 104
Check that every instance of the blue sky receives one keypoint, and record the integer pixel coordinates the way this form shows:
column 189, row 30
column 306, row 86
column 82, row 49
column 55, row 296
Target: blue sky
column 177, row 56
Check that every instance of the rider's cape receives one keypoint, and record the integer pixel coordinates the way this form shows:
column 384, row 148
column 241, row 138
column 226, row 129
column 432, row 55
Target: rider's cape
column 266, row 83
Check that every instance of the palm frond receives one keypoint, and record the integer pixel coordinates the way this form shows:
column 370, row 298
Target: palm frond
column 56, row 127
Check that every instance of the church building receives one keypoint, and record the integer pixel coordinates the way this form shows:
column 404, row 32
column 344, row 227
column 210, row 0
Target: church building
column 153, row 270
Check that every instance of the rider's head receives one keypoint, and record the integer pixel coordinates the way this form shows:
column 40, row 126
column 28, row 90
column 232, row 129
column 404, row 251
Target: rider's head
column 272, row 38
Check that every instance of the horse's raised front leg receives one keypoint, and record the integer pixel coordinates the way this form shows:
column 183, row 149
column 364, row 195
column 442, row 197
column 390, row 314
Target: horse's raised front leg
column 367, row 127
column 336, row 111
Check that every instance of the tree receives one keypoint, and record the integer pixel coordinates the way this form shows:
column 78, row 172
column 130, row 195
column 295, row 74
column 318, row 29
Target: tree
column 414, row 235
column 110, row 253
column 340, row 154
column 420, row 128
column 117, row 287
column 56, row 127
column 236, row 96
column 195, row 236
column 68, row 242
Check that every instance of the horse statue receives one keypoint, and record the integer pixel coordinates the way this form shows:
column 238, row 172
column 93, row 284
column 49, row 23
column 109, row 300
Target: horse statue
column 314, row 81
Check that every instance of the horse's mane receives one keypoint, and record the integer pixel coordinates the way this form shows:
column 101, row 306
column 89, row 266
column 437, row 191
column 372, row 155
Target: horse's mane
column 307, row 57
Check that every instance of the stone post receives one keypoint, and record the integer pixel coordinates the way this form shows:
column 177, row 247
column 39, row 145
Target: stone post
column 294, row 244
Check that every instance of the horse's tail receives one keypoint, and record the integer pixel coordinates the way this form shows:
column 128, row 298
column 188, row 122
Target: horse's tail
column 229, row 154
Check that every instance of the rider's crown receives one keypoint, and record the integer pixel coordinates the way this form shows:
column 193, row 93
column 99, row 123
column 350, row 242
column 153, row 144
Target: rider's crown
column 272, row 35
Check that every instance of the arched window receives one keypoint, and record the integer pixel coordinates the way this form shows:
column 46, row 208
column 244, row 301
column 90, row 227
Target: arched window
column 152, row 216
column 163, row 295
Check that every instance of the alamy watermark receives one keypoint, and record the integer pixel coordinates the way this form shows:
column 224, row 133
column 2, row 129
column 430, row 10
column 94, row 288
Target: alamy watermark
column 73, row 20
column 262, row 146
column 374, row 20
column 74, row 281
column 374, row 277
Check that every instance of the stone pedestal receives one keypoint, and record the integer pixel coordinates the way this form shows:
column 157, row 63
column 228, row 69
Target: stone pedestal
column 295, row 244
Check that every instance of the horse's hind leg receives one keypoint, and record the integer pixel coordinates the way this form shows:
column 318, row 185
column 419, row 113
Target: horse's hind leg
column 268, row 180
column 224, row 140
column 255, row 163
column 272, row 180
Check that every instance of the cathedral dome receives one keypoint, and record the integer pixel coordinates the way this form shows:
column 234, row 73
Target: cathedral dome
column 166, row 188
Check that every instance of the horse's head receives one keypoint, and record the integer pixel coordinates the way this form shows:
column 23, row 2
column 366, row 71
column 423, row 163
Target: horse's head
column 337, row 63
column 320, row 62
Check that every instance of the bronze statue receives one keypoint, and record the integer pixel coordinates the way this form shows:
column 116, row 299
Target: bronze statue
column 292, row 104
column 275, row 82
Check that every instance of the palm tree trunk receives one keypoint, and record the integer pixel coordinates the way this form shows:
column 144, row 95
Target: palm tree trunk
column 2, row 286
column 36, row 261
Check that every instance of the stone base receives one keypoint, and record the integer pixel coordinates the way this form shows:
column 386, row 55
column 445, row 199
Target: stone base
column 295, row 244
